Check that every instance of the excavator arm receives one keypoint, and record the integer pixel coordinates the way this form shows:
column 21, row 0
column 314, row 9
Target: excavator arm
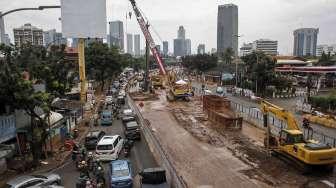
column 280, row 113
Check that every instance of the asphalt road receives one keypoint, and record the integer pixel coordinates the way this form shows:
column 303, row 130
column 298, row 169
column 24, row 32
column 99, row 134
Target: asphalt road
column 140, row 156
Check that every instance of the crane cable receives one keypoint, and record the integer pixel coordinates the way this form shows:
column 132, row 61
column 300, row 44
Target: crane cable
column 153, row 28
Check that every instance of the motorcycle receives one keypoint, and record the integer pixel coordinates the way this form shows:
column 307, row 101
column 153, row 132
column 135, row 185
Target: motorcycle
column 84, row 181
column 127, row 147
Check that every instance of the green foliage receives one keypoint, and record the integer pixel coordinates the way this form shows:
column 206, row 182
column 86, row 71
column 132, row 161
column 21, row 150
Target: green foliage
column 327, row 60
column 324, row 103
column 200, row 62
column 102, row 62
column 259, row 68
column 228, row 55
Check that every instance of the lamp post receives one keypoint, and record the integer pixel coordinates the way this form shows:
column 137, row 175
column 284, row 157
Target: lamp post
column 236, row 57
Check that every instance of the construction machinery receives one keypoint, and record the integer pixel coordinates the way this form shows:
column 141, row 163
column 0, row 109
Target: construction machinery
column 176, row 89
column 156, row 81
column 321, row 119
column 291, row 144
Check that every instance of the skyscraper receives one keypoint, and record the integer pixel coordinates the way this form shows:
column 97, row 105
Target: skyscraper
column 201, row 49
column 2, row 30
column 28, row 34
column 305, row 41
column 179, row 49
column 130, row 44
column 165, row 48
column 7, row 39
column 117, row 34
column 158, row 47
column 188, row 47
column 181, row 32
column 53, row 37
column 137, row 45
column 227, row 28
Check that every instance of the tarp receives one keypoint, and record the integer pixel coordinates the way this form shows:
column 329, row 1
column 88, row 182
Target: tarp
column 181, row 82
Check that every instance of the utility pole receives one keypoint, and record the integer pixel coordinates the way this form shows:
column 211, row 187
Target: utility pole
column 147, row 64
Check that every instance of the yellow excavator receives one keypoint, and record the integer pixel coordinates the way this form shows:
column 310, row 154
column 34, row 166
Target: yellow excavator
column 291, row 144
column 156, row 81
column 178, row 88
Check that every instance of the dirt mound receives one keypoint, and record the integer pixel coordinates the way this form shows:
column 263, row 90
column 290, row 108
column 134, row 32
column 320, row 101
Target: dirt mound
column 140, row 96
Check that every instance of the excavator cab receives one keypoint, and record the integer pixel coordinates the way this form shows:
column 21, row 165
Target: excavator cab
column 290, row 137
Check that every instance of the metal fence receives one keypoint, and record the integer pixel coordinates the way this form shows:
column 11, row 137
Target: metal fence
column 173, row 178
column 254, row 116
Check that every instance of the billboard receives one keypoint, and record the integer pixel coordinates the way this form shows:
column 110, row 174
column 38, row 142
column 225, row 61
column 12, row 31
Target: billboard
column 83, row 18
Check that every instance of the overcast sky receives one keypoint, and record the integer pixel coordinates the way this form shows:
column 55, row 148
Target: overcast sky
column 273, row 19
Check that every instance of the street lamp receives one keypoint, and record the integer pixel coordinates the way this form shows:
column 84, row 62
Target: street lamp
column 36, row 8
column 236, row 59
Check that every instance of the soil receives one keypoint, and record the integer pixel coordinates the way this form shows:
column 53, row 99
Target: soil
column 245, row 146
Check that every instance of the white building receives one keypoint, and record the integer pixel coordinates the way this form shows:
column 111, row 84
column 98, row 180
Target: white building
column 269, row 47
column 188, row 46
column 246, row 49
column 326, row 49
column 28, row 34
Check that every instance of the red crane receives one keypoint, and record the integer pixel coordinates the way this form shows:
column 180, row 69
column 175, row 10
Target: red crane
column 148, row 37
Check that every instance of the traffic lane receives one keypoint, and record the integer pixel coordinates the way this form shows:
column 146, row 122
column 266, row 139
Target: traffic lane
column 140, row 156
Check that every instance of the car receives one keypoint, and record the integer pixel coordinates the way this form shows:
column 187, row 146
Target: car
column 109, row 148
column 116, row 84
column 109, row 99
column 220, row 90
column 127, row 112
column 132, row 131
column 92, row 138
column 153, row 177
column 106, row 117
column 121, row 99
column 43, row 180
column 120, row 174
column 129, row 118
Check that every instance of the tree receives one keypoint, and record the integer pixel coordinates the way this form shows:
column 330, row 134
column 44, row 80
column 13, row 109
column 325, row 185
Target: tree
column 102, row 62
column 200, row 62
column 259, row 69
column 18, row 93
column 228, row 55
column 327, row 60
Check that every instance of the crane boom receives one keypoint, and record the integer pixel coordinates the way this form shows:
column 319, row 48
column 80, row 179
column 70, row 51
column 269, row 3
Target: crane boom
column 148, row 36
column 281, row 114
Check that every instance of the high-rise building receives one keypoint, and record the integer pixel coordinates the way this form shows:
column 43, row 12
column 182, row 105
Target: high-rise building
column 165, row 48
column 213, row 50
column 28, row 34
column 129, row 43
column 7, row 39
column 227, row 28
column 158, row 47
column 188, row 47
column 75, row 41
column 246, row 49
column 2, row 30
column 305, row 41
column 181, row 32
column 326, row 49
column 269, row 47
column 108, row 40
column 117, row 34
column 137, row 45
column 201, row 49
column 53, row 37
column 179, row 49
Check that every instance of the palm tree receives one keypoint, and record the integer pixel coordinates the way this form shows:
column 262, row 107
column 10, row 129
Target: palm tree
column 228, row 55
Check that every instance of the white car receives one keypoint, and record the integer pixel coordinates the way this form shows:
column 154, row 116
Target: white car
column 43, row 180
column 127, row 112
column 109, row 148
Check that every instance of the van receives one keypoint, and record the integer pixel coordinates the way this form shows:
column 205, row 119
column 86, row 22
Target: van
column 106, row 117
column 108, row 148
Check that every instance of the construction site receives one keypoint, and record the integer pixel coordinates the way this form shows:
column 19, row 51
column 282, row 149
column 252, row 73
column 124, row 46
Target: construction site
column 209, row 145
